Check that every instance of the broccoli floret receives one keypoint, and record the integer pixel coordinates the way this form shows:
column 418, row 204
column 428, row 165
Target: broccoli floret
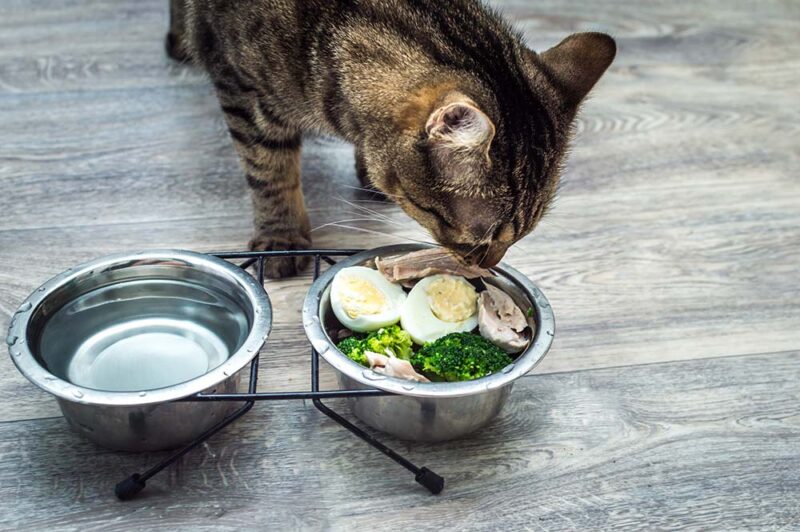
column 393, row 338
column 459, row 357
column 353, row 348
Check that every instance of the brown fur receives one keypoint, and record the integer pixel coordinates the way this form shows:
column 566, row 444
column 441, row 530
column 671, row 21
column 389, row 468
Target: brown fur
column 420, row 105
column 451, row 115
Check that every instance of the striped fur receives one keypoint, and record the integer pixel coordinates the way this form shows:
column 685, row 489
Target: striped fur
column 451, row 115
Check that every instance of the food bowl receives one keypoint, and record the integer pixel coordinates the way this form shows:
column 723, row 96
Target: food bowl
column 427, row 411
column 119, row 339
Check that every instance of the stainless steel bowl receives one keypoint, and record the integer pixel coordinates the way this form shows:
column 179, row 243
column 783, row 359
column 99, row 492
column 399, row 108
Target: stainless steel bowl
column 428, row 411
column 117, row 340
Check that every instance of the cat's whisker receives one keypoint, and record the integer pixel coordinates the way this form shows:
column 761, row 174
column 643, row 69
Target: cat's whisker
column 382, row 218
column 518, row 245
column 367, row 210
column 376, row 202
column 485, row 254
column 381, row 233
column 363, row 214
column 371, row 191
column 489, row 230
column 377, row 217
column 349, row 220
column 367, row 217
column 358, row 210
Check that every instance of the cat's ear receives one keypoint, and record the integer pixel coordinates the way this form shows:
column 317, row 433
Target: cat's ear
column 460, row 127
column 577, row 62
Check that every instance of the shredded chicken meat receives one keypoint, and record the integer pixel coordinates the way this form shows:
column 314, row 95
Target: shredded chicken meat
column 406, row 269
column 501, row 321
column 393, row 367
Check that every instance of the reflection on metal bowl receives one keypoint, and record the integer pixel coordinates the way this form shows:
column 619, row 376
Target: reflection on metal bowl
column 119, row 339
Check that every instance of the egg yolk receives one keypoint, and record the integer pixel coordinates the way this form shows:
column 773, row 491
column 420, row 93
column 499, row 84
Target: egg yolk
column 451, row 299
column 359, row 297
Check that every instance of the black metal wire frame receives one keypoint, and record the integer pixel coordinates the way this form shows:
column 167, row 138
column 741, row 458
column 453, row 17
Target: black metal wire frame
column 128, row 488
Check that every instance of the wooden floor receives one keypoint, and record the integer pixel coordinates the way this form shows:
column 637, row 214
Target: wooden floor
column 670, row 398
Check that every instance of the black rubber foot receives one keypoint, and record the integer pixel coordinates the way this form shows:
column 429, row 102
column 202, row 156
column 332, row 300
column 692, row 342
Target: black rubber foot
column 430, row 480
column 128, row 488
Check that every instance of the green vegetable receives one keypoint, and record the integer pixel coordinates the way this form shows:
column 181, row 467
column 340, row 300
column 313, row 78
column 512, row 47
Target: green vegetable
column 353, row 348
column 459, row 357
column 392, row 338
column 530, row 312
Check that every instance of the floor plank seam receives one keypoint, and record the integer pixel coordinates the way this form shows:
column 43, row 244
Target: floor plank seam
column 662, row 363
column 10, row 421
column 23, row 94
column 133, row 223
column 556, row 373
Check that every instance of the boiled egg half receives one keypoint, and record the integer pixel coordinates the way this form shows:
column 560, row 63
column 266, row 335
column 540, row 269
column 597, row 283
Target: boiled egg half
column 364, row 300
column 439, row 305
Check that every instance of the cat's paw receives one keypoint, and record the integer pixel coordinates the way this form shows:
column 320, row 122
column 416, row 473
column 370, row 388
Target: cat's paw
column 175, row 48
column 281, row 267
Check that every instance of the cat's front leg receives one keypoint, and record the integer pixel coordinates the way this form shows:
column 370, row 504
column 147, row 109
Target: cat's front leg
column 270, row 156
column 174, row 43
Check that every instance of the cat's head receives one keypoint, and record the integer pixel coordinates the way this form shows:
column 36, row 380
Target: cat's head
column 481, row 157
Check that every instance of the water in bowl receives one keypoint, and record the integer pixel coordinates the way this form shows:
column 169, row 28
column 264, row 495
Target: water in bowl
column 142, row 335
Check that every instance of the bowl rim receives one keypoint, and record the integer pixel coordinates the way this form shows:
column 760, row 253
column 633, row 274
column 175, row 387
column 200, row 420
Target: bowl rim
column 525, row 362
column 22, row 356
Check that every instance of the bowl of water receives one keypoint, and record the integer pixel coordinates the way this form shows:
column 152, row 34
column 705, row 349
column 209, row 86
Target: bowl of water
column 119, row 340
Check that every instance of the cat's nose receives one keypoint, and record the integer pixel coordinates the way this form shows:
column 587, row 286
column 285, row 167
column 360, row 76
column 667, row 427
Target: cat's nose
column 492, row 254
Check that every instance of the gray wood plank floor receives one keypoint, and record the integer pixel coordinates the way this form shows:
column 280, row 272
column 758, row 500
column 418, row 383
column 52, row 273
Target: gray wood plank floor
column 696, row 444
column 676, row 238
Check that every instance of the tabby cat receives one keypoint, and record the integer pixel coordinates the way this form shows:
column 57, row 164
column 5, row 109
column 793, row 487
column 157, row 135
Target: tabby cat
column 452, row 116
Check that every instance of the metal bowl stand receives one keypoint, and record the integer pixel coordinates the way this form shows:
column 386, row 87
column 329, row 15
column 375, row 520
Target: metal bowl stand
column 128, row 488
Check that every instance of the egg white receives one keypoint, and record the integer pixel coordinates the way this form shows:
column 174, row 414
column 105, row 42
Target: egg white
column 393, row 293
column 419, row 321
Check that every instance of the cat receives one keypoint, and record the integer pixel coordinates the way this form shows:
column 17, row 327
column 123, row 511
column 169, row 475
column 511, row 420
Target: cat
column 451, row 115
